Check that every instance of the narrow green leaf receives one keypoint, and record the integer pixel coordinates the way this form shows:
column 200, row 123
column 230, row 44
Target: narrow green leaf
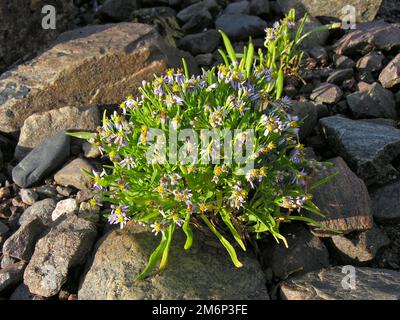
column 81, row 135
column 223, row 55
column 153, row 260
column 188, row 231
column 228, row 46
column 164, row 259
column 225, row 217
column 185, row 68
column 279, row 84
column 249, row 58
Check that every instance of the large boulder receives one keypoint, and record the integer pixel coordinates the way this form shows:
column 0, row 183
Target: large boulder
column 203, row 272
column 98, row 64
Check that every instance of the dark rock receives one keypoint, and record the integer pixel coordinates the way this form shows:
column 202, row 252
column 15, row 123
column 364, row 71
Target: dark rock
column 240, row 26
column 241, row 7
column 326, row 93
column 260, row 8
column 72, row 175
column 308, row 114
column 41, row 209
column 4, row 230
column 147, row 15
column 372, row 62
column 22, row 293
column 118, row 10
column 390, row 75
column 343, row 62
column 198, row 23
column 339, row 76
column 47, row 191
column 205, row 59
column 42, row 161
column 84, row 195
column 91, row 151
column 331, row 284
column 365, row 76
column 375, row 102
column 386, row 203
column 382, row 121
column 320, row 54
column 11, row 276
column 187, row 13
column 205, row 42
column 315, row 38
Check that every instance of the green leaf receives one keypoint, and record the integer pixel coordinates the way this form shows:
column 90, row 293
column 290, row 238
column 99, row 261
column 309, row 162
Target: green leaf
column 153, row 260
column 225, row 243
column 323, row 181
column 249, row 58
column 223, row 55
column 81, row 135
column 164, row 259
column 279, row 84
column 188, row 231
column 227, row 220
column 185, row 68
column 228, row 46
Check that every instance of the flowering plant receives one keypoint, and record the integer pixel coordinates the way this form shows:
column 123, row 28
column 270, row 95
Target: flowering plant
column 164, row 178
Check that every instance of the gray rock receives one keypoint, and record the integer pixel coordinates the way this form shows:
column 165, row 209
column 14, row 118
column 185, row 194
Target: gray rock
column 305, row 252
column 204, row 42
column 71, row 174
column 7, row 261
column 372, row 62
column 28, row 196
column 374, row 102
column 359, row 248
column 386, row 203
column 90, row 151
column 390, row 75
column 187, row 13
column 315, row 38
column 260, row 8
column 49, row 123
column 343, row 200
column 148, row 15
column 22, row 293
column 343, row 62
column 122, row 254
column 11, row 276
column 3, row 232
column 65, row 246
column 64, row 191
column 89, row 212
column 47, row 191
column 241, row 7
column 320, row 54
column 367, row 36
column 326, row 93
column 308, row 114
column 368, row 148
column 339, row 76
column 382, row 121
column 118, row 10
column 41, row 209
column 42, row 160
column 204, row 59
column 326, row 284
column 64, row 207
column 199, row 22
column 22, row 243
column 241, row 26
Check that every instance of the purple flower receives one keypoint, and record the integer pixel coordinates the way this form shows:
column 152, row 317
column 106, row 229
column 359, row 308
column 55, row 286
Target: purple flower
column 118, row 215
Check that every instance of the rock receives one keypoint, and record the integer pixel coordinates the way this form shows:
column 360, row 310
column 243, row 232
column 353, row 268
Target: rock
column 64, row 207
column 88, row 212
column 11, row 276
column 118, row 10
column 41, row 209
column 326, row 93
column 42, row 160
column 359, row 248
column 316, row 38
column 199, row 22
column 386, row 203
column 368, row 148
column 49, row 123
column 85, row 67
column 28, row 196
column 65, row 246
column 65, row 191
column 320, row 54
column 205, row 59
column 240, row 26
column 84, row 195
column 71, row 174
column 308, row 114
column 47, row 191
column 7, row 261
column 21, row 31
column 187, row 13
column 3, row 232
column 90, row 151
column 339, row 76
column 343, row 62
column 21, row 244
column 374, row 102
column 204, row 42
column 382, row 121
column 148, row 15
column 372, row 62
column 327, row 284
column 241, row 7
column 378, row 35
column 260, row 8
column 305, row 252
column 390, row 75
column 122, row 254
column 366, row 10
column 343, row 200
column 22, row 293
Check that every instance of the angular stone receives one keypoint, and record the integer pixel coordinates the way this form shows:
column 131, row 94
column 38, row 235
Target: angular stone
column 260, row 8
column 122, row 254
column 71, row 174
column 372, row 62
column 42, row 161
column 240, row 26
column 118, row 10
column 41, row 209
column 11, row 276
column 49, row 123
column 339, row 76
column 7, row 261
column 21, row 244
column 373, row 102
column 90, row 151
column 241, row 7
column 368, row 148
column 308, row 114
column 315, row 38
column 305, row 252
column 64, row 207
column 89, row 212
column 390, row 76
column 343, row 62
column 65, row 246
column 199, row 22
column 343, row 200
column 326, row 284
column 187, row 13
column 94, row 65
column 378, row 35
column 386, row 203
column 22, row 293
column 28, row 196
column 326, row 93
column 204, row 42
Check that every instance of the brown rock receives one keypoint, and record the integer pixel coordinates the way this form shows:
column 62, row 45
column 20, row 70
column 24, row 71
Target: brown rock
column 71, row 174
column 390, row 75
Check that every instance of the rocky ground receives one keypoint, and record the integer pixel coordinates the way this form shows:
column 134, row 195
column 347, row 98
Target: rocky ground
column 54, row 245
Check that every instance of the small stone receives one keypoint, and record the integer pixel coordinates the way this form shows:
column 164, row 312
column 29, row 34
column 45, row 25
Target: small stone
column 308, row 114
column 72, row 175
column 343, row 62
column 84, row 195
column 339, row 76
column 11, row 276
column 22, row 293
column 89, row 212
column 90, row 151
column 241, row 7
column 64, row 191
column 41, row 209
column 64, row 207
column 326, row 93
column 204, row 42
column 320, row 54
column 4, row 192
column 6, row 261
column 386, row 203
column 240, row 26
column 28, row 196
column 365, row 76
column 47, row 191
column 390, row 75
column 372, row 62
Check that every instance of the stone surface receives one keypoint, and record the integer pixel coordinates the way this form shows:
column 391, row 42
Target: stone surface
column 204, row 59
column 203, row 42
column 305, row 252
column 89, row 212
column 190, row 11
column 241, row 7
column 326, row 93
column 22, row 243
column 386, row 203
column 366, row 9
column 65, row 246
column 22, row 293
column 308, row 114
column 241, row 26
column 368, row 148
column 28, row 196
column 49, row 123
column 368, row 36
column 343, row 200
column 94, row 65
column 148, row 15
column 260, row 8
column 118, row 10
column 42, row 161
column 3, row 232
column 11, row 276
column 339, row 76
column 326, row 284
column 373, row 102
column 390, row 75
column 359, row 248
column 122, row 255
column 90, row 151
column 64, row 207
column 71, row 174
column 373, row 61
column 343, row 62
column 7, row 261
column 316, row 38
column 41, row 209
